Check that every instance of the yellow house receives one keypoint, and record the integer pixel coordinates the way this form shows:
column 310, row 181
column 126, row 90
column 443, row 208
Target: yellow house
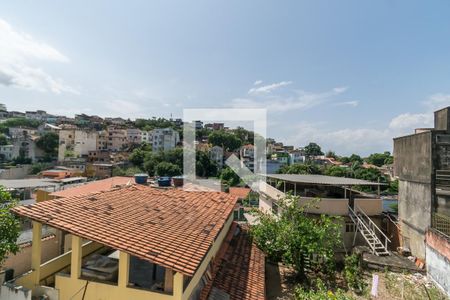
column 139, row 242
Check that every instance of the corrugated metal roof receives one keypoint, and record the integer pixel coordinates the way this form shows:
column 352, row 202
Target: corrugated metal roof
column 27, row 183
column 321, row 179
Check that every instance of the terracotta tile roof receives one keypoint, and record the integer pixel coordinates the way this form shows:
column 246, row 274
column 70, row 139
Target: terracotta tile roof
column 239, row 270
column 170, row 227
column 94, row 186
column 240, row 192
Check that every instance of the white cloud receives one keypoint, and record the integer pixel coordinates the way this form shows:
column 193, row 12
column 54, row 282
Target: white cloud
column 19, row 53
column 348, row 103
column 265, row 89
column 257, row 82
column 437, row 101
column 411, row 121
column 297, row 100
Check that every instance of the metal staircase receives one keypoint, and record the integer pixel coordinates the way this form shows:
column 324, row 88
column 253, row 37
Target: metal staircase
column 370, row 232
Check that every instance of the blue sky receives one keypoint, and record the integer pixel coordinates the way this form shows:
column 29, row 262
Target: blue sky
column 349, row 75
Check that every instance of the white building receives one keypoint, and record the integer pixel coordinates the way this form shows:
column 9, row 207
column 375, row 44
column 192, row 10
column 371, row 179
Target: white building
column 216, row 155
column 296, row 157
column 76, row 143
column 6, row 152
column 146, row 136
column 164, row 139
column 247, row 156
column 134, row 135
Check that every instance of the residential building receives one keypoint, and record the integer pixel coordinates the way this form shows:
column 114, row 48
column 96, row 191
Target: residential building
column 134, row 136
column 146, row 137
column 422, row 165
column 247, row 156
column 16, row 132
column 25, row 146
column 281, row 156
column 39, row 115
column 117, row 139
column 76, row 143
column 215, row 126
column 116, row 121
column 99, row 156
column 102, row 140
column 332, row 196
column 198, row 124
column 164, row 139
column 126, row 244
column 6, row 152
column 16, row 114
column 216, row 155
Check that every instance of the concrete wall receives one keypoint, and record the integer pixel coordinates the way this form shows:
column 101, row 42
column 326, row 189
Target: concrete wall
column 21, row 261
column 371, row 207
column 414, row 210
column 413, row 157
column 15, row 173
column 438, row 259
column 11, row 292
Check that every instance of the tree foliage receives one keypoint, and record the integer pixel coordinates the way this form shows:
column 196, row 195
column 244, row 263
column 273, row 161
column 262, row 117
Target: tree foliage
column 9, row 225
column 313, row 149
column 226, row 140
column 167, row 169
column 229, row 177
column 380, row 159
column 293, row 236
column 300, row 169
column 49, row 142
column 17, row 122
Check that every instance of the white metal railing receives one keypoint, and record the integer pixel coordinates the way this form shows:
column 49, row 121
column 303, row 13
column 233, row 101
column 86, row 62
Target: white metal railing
column 362, row 220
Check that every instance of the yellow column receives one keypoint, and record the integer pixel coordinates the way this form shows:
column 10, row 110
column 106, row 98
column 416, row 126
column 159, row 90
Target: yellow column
column 36, row 252
column 75, row 267
column 124, row 268
column 178, row 286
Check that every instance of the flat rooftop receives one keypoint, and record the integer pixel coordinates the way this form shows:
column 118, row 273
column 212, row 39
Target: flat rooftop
column 322, row 180
column 27, row 183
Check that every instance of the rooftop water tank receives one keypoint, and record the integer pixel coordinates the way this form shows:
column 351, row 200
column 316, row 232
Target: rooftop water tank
column 164, row 181
column 140, row 178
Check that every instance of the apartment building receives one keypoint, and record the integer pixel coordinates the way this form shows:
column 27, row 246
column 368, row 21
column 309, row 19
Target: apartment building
column 134, row 136
column 76, row 143
column 164, row 139
column 117, row 139
column 247, row 156
column 422, row 165
column 6, row 152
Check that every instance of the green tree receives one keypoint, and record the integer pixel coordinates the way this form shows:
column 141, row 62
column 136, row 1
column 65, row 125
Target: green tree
column 292, row 236
column 226, row 140
column 49, row 142
column 137, row 157
column 9, row 226
column 167, row 169
column 300, row 169
column 355, row 158
column 331, row 154
column 313, row 149
column 3, row 139
column 380, row 159
column 335, row 171
column 229, row 177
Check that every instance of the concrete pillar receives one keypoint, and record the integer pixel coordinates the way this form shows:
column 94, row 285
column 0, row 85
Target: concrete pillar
column 36, row 252
column 124, row 269
column 75, row 267
column 178, row 286
column 168, row 281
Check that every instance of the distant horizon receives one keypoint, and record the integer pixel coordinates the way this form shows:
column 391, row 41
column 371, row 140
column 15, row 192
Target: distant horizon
column 347, row 75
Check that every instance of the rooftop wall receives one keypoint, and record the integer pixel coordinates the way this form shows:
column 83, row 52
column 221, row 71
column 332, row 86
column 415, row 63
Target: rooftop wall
column 413, row 157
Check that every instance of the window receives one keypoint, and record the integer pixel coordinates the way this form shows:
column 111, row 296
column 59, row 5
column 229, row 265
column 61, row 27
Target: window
column 350, row 227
